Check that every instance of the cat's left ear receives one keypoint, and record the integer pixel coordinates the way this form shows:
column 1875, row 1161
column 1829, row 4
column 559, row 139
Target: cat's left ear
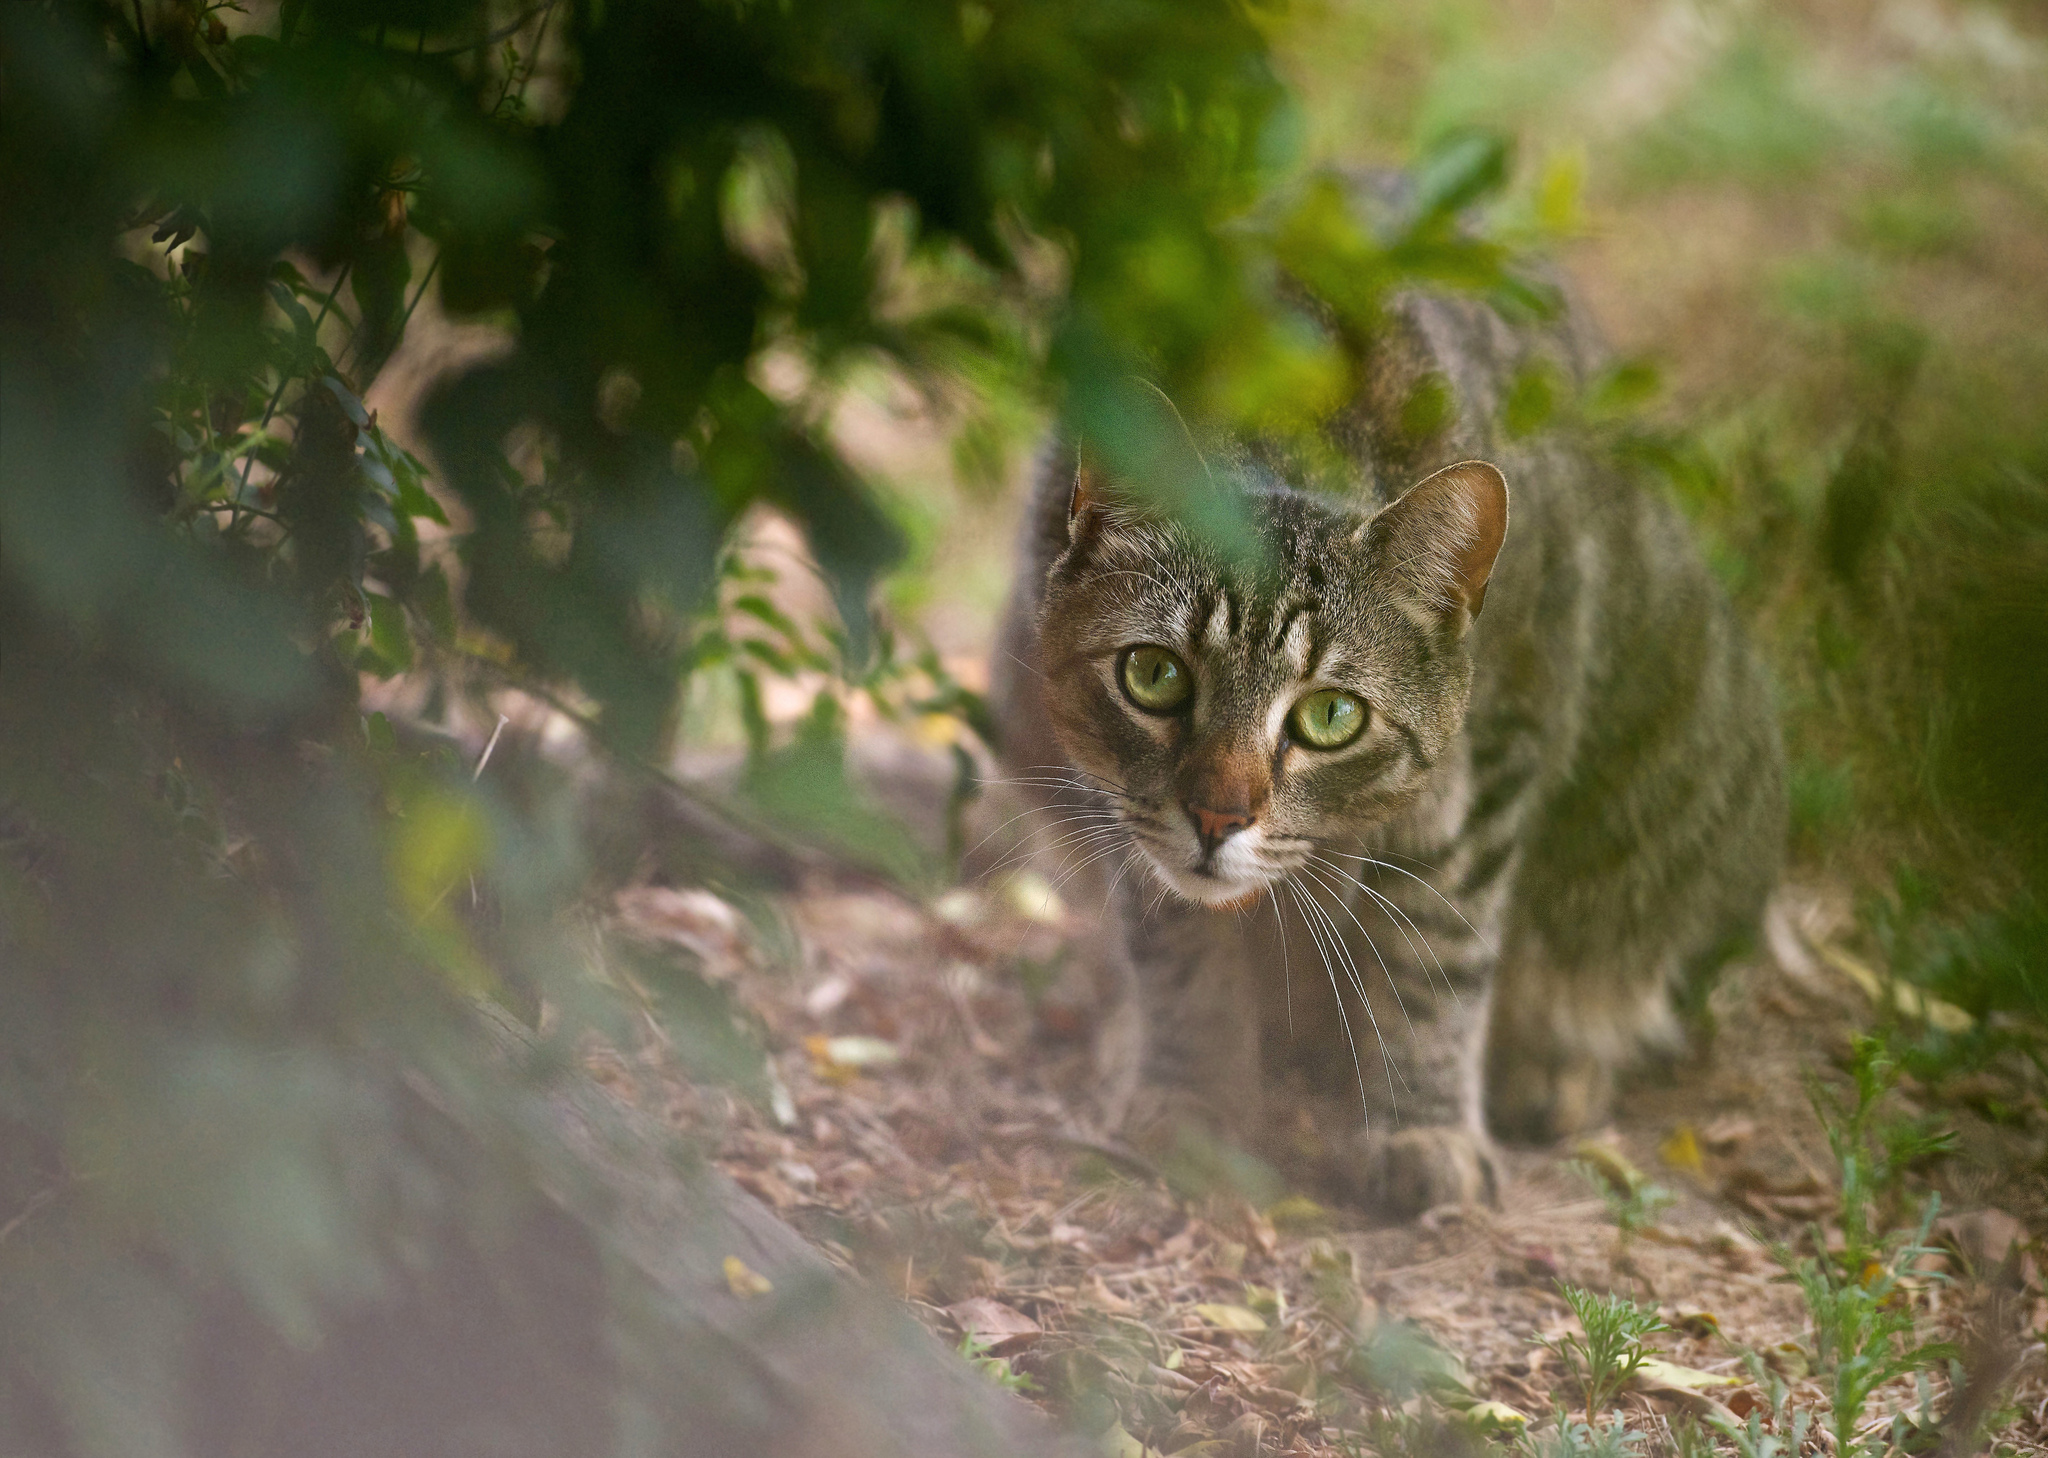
column 1091, row 488
column 1099, row 498
column 1442, row 536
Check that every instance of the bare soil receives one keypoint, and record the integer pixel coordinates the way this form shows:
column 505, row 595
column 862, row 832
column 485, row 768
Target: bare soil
column 926, row 1125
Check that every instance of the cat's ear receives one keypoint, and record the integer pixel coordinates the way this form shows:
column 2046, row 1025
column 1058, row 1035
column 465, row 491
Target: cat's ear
column 1091, row 488
column 1443, row 535
column 1098, row 497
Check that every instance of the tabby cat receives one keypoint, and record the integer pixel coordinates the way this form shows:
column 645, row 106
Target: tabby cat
column 1430, row 807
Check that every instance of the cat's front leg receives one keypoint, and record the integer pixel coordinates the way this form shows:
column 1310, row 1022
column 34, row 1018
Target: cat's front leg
column 1398, row 986
column 1192, row 1031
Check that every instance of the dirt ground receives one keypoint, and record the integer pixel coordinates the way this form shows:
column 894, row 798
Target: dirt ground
column 925, row 1122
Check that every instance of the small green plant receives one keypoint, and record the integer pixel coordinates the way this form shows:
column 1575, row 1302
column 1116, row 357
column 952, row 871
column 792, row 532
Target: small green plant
column 1634, row 1201
column 1864, row 1331
column 1569, row 1438
column 997, row 1369
column 1611, row 1349
column 1786, row 1436
column 1871, row 1154
column 1689, row 1439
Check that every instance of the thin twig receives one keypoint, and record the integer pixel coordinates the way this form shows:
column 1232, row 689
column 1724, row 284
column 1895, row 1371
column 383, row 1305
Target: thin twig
column 285, row 378
column 404, row 319
column 242, row 507
column 485, row 758
column 504, row 33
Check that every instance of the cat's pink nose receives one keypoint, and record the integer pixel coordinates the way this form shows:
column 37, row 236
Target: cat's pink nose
column 1215, row 825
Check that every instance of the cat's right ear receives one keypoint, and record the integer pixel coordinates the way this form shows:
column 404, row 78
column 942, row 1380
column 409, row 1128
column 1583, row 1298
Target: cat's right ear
column 1442, row 536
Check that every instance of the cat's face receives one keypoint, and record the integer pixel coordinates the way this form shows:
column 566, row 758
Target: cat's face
column 1238, row 717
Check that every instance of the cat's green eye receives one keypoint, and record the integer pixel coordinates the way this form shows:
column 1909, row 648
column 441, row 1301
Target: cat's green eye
column 1155, row 678
column 1327, row 719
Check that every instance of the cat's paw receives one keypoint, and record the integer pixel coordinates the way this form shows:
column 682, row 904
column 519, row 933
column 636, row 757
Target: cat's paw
column 1400, row 1175
column 1539, row 1100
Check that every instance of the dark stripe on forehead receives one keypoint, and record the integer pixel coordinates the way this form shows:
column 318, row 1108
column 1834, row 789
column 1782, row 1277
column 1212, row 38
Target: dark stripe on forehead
column 1316, row 645
column 1284, row 617
column 1205, row 608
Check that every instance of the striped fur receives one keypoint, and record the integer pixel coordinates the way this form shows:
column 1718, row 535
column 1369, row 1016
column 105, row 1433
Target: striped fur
column 1563, row 812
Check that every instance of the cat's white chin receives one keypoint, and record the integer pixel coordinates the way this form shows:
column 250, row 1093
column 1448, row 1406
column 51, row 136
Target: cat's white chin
column 1220, row 893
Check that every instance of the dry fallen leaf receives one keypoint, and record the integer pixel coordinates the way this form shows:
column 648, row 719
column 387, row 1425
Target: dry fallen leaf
column 1298, row 1215
column 1908, row 999
column 1116, row 1443
column 1696, row 1323
column 1681, row 1150
column 1788, row 1360
column 1611, row 1165
column 1032, row 897
column 961, row 906
column 839, row 1060
column 1727, row 1132
column 1489, row 1417
column 1230, row 1318
column 744, row 1279
column 691, row 917
column 1799, row 1198
column 1268, row 1301
column 1685, row 1388
column 1002, row 1329
column 1656, row 1373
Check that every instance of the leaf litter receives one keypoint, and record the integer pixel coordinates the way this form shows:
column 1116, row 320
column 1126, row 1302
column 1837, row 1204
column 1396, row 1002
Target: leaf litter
column 926, row 1126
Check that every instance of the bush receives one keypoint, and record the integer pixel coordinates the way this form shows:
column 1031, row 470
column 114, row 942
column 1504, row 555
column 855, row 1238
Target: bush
column 242, row 1084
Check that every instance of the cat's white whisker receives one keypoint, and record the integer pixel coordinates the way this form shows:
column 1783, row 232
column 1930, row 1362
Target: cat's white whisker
column 1388, row 866
column 1069, row 875
column 1136, row 854
column 1090, row 852
column 1036, row 810
column 1041, row 775
column 1076, row 841
column 1067, row 769
column 1336, row 894
column 1033, row 848
column 1286, row 972
column 1357, row 1069
column 1402, row 923
column 1357, row 981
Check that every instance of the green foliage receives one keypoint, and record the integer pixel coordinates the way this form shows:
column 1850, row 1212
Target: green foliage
column 1865, row 1332
column 1399, row 1360
column 1609, row 1348
column 1989, row 963
column 1633, row 1200
column 1787, row 1435
column 997, row 1369
column 1873, row 1154
column 246, row 926
column 1567, row 1437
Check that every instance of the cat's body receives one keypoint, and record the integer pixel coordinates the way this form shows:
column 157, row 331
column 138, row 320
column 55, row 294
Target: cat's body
column 1576, row 793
